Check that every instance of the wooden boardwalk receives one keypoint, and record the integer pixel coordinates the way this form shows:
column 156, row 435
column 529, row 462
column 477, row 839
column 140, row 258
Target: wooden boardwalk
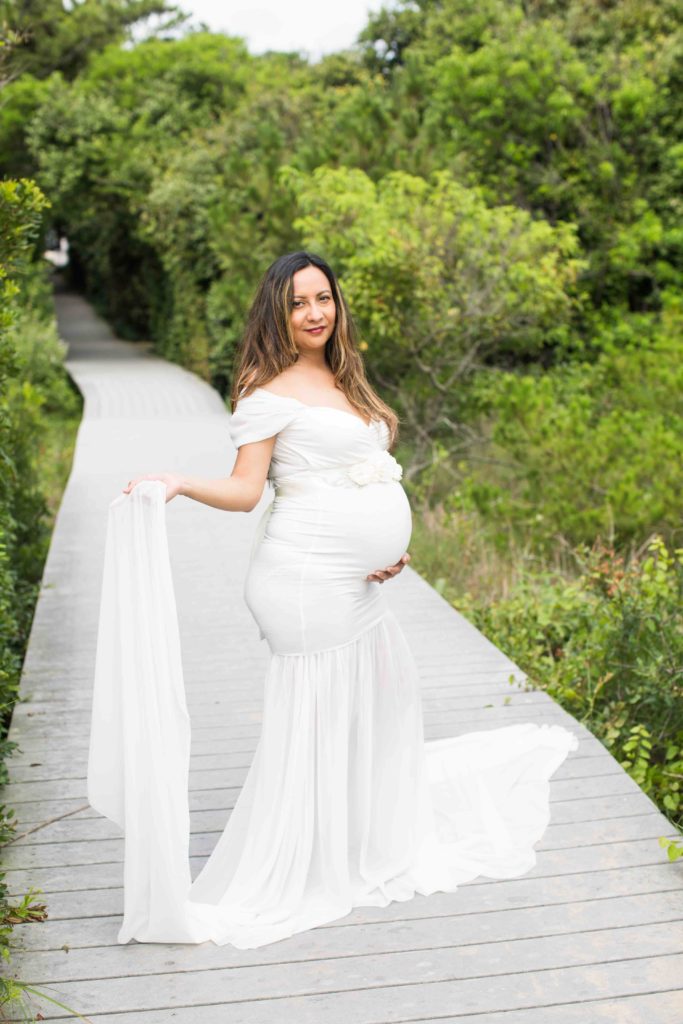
column 591, row 934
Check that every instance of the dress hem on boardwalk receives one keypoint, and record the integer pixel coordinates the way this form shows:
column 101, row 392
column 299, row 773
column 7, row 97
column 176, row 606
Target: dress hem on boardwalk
column 345, row 805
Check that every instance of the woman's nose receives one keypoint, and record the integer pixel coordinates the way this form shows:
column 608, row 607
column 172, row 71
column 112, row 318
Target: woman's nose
column 314, row 314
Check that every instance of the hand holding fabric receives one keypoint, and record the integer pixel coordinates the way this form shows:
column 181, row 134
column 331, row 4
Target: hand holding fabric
column 172, row 480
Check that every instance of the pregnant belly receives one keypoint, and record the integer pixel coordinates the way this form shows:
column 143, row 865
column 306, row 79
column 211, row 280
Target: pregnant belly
column 307, row 586
column 343, row 529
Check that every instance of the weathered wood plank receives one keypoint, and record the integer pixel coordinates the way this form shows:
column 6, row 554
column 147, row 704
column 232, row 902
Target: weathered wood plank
column 365, row 990
column 506, row 926
column 64, row 770
column 602, row 813
column 570, row 787
column 557, row 835
column 94, row 874
column 248, row 724
column 96, row 851
column 58, row 787
column 473, row 898
column 30, row 812
column 652, row 1008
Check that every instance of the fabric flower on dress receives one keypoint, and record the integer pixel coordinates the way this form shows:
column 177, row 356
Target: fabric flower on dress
column 379, row 468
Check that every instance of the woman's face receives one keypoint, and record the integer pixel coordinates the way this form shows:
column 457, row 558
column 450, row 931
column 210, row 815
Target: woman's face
column 313, row 312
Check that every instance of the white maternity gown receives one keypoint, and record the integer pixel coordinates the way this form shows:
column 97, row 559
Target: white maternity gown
column 345, row 804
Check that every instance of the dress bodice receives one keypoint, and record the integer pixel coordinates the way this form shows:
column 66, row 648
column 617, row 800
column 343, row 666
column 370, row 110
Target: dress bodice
column 312, row 438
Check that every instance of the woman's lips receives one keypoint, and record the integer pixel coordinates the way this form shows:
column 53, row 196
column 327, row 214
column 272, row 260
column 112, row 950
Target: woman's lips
column 315, row 330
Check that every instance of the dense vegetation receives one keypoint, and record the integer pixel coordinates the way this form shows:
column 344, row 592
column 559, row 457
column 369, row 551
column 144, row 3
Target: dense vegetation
column 39, row 410
column 498, row 184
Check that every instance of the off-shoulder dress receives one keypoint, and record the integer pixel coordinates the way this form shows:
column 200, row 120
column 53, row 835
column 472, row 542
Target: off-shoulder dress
column 345, row 804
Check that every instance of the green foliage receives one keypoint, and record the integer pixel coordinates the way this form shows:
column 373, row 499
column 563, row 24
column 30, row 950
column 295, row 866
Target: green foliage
column 589, row 448
column 38, row 351
column 439, row 281
column 189, row 208
column 608, row 646
column 674, row 849
column 573, row 110
column 21, row 208
column 33, row 384
column 530, row 90
column 164, row 160
column 59, row 38
column 20, row 101
column 203, row 72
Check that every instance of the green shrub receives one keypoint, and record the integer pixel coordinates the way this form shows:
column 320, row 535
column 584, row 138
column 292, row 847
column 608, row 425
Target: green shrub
column 33, row 387
column 587, row 449
column 608, row 646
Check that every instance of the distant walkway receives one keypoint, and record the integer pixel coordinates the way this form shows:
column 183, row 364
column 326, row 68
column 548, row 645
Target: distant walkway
column 590, row 935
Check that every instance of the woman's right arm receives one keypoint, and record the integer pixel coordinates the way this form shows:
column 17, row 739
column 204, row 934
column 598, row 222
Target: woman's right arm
column 240, row 492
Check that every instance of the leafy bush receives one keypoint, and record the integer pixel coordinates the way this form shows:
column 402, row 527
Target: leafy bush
column 33, row 386
column 608, row 646
column 21, row 206
column 588, row 449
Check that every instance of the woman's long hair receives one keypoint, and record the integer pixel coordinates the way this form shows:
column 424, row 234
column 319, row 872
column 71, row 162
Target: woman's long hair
column 268, row 346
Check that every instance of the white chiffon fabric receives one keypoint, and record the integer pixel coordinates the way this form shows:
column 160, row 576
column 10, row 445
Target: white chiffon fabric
column 344, row 804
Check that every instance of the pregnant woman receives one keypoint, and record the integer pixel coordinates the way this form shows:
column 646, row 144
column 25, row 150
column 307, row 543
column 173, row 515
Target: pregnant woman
column 344, row 804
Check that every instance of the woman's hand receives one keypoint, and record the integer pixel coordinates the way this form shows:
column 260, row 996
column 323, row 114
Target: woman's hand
column 172, row 481
column 386, row 574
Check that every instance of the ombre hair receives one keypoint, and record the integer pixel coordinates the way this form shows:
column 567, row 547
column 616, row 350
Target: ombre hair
column 268, row 346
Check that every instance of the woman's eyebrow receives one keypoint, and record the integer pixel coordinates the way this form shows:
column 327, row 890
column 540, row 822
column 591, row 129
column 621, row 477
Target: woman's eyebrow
column 321, row 292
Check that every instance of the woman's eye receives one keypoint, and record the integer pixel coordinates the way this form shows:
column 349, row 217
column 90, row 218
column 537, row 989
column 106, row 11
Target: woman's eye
column 297, row 302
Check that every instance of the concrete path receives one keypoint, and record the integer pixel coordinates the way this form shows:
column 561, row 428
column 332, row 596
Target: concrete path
column 592, row 934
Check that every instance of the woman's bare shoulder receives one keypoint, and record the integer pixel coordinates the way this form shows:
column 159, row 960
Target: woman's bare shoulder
column 295, row 383
column 283, row 385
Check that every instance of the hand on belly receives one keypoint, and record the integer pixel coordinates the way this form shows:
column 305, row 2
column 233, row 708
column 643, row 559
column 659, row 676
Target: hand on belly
column 380, row 575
